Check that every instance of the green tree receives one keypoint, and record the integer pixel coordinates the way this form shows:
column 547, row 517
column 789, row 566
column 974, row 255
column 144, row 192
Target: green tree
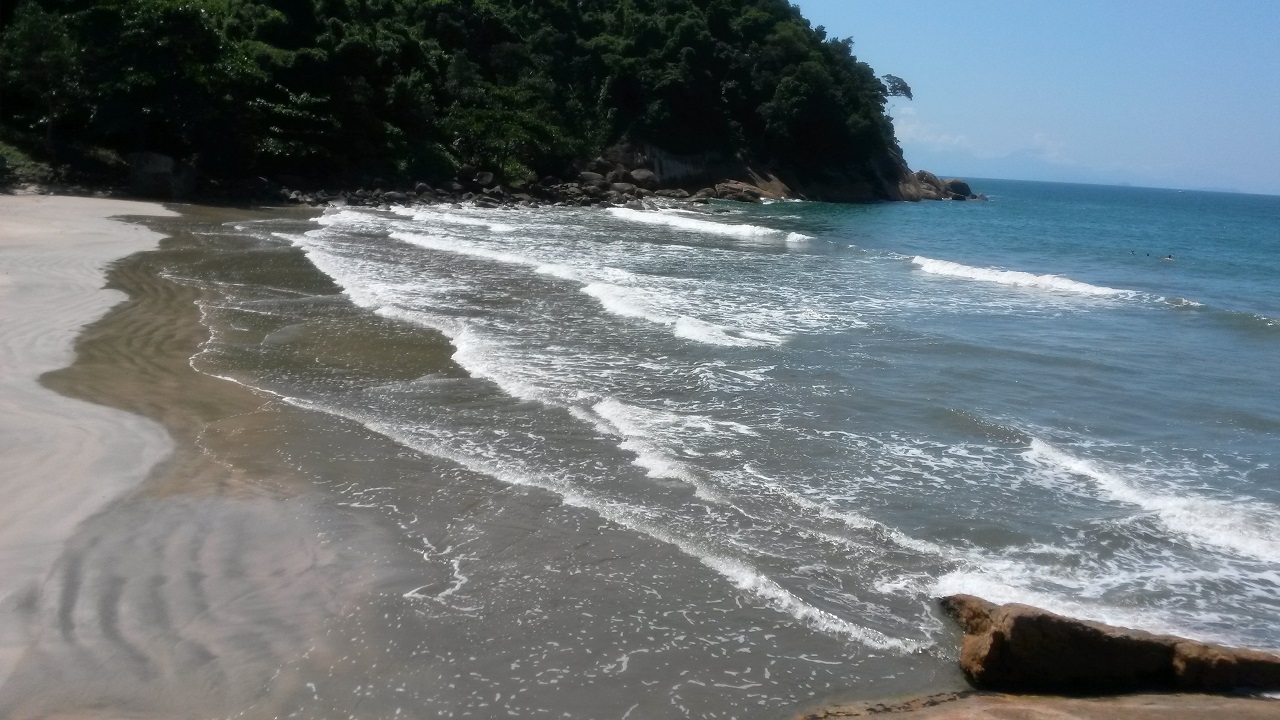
column 896, row 87
column 360, row 88
column 40, row 67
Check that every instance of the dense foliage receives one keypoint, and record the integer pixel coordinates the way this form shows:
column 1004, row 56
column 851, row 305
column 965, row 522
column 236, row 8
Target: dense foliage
column 350, row 88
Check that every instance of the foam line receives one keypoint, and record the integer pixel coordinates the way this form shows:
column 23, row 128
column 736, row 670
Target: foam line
column 632, row 302
column 1000, row 580
column 738, row 573
column 462, row 247
column 447, row 218
column 1014, row 278
column 681, row 222
column 1235, row 527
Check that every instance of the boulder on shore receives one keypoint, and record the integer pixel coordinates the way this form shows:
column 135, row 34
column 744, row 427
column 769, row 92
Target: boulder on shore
column 958, row 187
column 591, row 178
column 928, row 192
column 1019, row 648
column 928, row 179
column 928, row 186
column 742, row 192
column 645, row 179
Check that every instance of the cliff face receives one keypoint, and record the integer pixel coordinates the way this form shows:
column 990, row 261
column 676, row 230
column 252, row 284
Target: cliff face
column 885, row 177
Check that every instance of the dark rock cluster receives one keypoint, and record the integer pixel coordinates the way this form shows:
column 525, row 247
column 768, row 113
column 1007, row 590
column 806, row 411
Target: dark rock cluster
column 617, row 187
column 623, row 176
column 931, row 187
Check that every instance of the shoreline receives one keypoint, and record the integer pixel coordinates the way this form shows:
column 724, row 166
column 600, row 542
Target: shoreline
column 226, row 511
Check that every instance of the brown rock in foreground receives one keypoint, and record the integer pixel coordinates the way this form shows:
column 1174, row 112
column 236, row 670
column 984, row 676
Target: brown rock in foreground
column 1030, row 707
column 1019, row 648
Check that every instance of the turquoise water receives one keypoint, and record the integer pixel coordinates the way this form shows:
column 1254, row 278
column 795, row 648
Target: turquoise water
column 814, row 419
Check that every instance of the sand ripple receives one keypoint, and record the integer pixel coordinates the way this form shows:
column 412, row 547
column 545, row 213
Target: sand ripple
column 201, row 586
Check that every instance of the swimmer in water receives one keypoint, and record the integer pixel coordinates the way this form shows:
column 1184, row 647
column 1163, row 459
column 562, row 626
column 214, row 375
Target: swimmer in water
column 1167, row 258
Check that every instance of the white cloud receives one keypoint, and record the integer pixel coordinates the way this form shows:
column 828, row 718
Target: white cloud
column 911, row 130
column 1049, row 149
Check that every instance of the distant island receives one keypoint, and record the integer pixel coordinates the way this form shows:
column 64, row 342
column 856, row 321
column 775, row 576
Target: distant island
column 394, row 93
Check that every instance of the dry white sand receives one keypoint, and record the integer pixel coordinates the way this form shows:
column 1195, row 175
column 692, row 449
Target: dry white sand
column 61, row 460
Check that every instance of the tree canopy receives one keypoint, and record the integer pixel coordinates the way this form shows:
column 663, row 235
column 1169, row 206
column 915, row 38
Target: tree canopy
column 351, row 88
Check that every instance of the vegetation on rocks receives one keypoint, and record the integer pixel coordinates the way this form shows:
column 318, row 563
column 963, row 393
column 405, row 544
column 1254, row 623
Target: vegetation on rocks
column 347, row 90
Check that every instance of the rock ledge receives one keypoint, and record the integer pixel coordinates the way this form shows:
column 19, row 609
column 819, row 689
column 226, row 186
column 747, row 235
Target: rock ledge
column 992, row 706
column 1019, row 648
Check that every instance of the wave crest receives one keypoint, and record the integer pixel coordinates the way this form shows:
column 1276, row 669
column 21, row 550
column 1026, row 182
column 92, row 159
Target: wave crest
column 1014, row 278
column 706, row 226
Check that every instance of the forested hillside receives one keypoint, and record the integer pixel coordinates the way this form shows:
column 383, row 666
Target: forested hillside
column 350, row 89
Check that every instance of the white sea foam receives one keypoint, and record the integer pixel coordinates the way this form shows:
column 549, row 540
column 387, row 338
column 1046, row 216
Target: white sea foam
column 1014, row 278
column 479, row 219
column 458, row 246
column 624, row 300
column 647, row 303
column 747, row 578
column 1103, row 594
column 1002, row 580
column 586, row 273
column 481, row 356
column 347, row 219
column 618, row 291
column 779, row 598
column 564, row 272
column 473, row 352
column 704, row 332
column 638, row 519
column 681, row 222
column 1238, row 527
column 627, row 302
column 644, row 431
column 648, row 422
column 361, row 294
column 850, row 520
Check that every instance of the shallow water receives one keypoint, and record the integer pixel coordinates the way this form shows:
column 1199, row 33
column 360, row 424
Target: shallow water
column 720, row 464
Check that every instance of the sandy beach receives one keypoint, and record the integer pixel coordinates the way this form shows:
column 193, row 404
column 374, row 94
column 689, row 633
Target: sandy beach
column 155, row 559
column 65, row 459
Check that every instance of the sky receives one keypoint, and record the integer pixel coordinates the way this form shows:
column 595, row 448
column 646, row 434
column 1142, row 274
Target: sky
column 1157, row 93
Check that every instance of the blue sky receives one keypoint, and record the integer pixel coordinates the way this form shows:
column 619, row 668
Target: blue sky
column 1163, row 93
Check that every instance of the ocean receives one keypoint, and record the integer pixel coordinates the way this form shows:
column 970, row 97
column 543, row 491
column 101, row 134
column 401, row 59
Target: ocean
column 721, row 462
